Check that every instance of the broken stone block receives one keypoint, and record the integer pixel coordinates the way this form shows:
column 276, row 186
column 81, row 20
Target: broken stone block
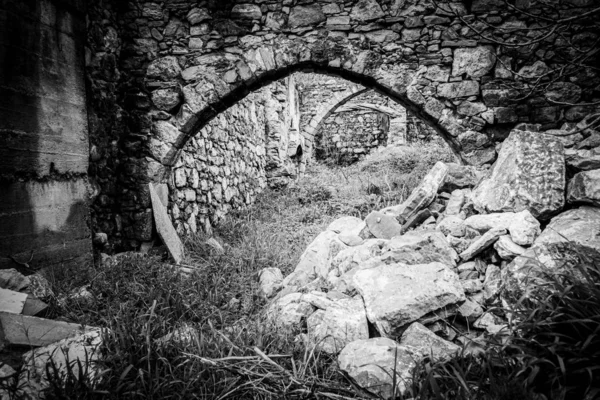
column 482, row 243
column 428, row 343
column 583, row 160
column 11, row 301
column 338, row 325
column 491, row 324
column 424, row 245
column 383, row 226
column 21, row 330
column 289, row 310
column 452, row 225
column 461, row 177
column 470, row 310
column 347, row 225
column 270, row 280
column 458, row 89
column 397, row 294
column 455, row 203
column 372, row 363
column 584, row 188
column 523, row 227
column 422, row 196
column 13, row 280
column 529, row 174
column 314, row 262
column 507, row 249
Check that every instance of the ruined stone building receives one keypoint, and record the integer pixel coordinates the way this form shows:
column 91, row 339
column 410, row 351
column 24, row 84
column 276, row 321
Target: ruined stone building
column 218, row 99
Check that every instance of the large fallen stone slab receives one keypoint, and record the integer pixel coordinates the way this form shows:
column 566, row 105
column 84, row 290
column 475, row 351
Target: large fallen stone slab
column 522, row 226
column 584, row 188
column 422, row 196
column 396, row 295
column 164, row 226
column 529, row 174
column 428, row 343
column 372, row 363
column 21, row 330
column 80, row 350
column 339, row 324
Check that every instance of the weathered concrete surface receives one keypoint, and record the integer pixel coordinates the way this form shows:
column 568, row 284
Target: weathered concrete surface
column 44, row 146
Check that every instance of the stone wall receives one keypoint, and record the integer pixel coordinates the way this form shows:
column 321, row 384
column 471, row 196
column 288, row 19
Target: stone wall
column 108, row 121
column 44, row 216
column 253, row 144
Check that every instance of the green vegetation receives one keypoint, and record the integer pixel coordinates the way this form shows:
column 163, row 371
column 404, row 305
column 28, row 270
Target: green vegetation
column 223, row 349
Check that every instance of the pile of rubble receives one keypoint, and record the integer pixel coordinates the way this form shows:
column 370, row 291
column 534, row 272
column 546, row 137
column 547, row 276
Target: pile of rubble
column 29, row 343
column 422, row 277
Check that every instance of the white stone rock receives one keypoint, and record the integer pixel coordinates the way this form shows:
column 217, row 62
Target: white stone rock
column 452, row 225
column 584, row 188
column 428, row 343
column 507, row 249
column 341, row 323
column 397, row 294
column 270, row 280
column 482, row 243
column 372, row 363
column 473, row 61
column 346, row 225
column 289, row 310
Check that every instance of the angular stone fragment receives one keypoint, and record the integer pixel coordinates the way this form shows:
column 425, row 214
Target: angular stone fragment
column 470, row 310
column 383, row 226
column 507, row 249
column 491, row 323
column 428, row 343
column 11, row 301
column 351, row 240
column 455, row 202
column 198, row 15
column 270, row 280
column 422, row 196
column 20, row 330
column 570, row 238
column 373, row 362
column 343, row 322
column 461, row 177
column 165, row 99
column 529, row 174
column 419, row 247
column 584, row 187
column 523, row 227
column 314, row 262
column 482, row 243
column 473, row 61
column 13, row 280
column 583, row 160
column 452, row 225
column 398, row 294
column 289, row 310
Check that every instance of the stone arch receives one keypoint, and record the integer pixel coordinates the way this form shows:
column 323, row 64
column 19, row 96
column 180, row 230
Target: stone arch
column 325, row 110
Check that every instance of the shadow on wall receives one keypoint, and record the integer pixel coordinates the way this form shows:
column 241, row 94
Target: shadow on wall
column 44, row 217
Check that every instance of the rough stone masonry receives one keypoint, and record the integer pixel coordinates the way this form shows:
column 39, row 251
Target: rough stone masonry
column 157, row 73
